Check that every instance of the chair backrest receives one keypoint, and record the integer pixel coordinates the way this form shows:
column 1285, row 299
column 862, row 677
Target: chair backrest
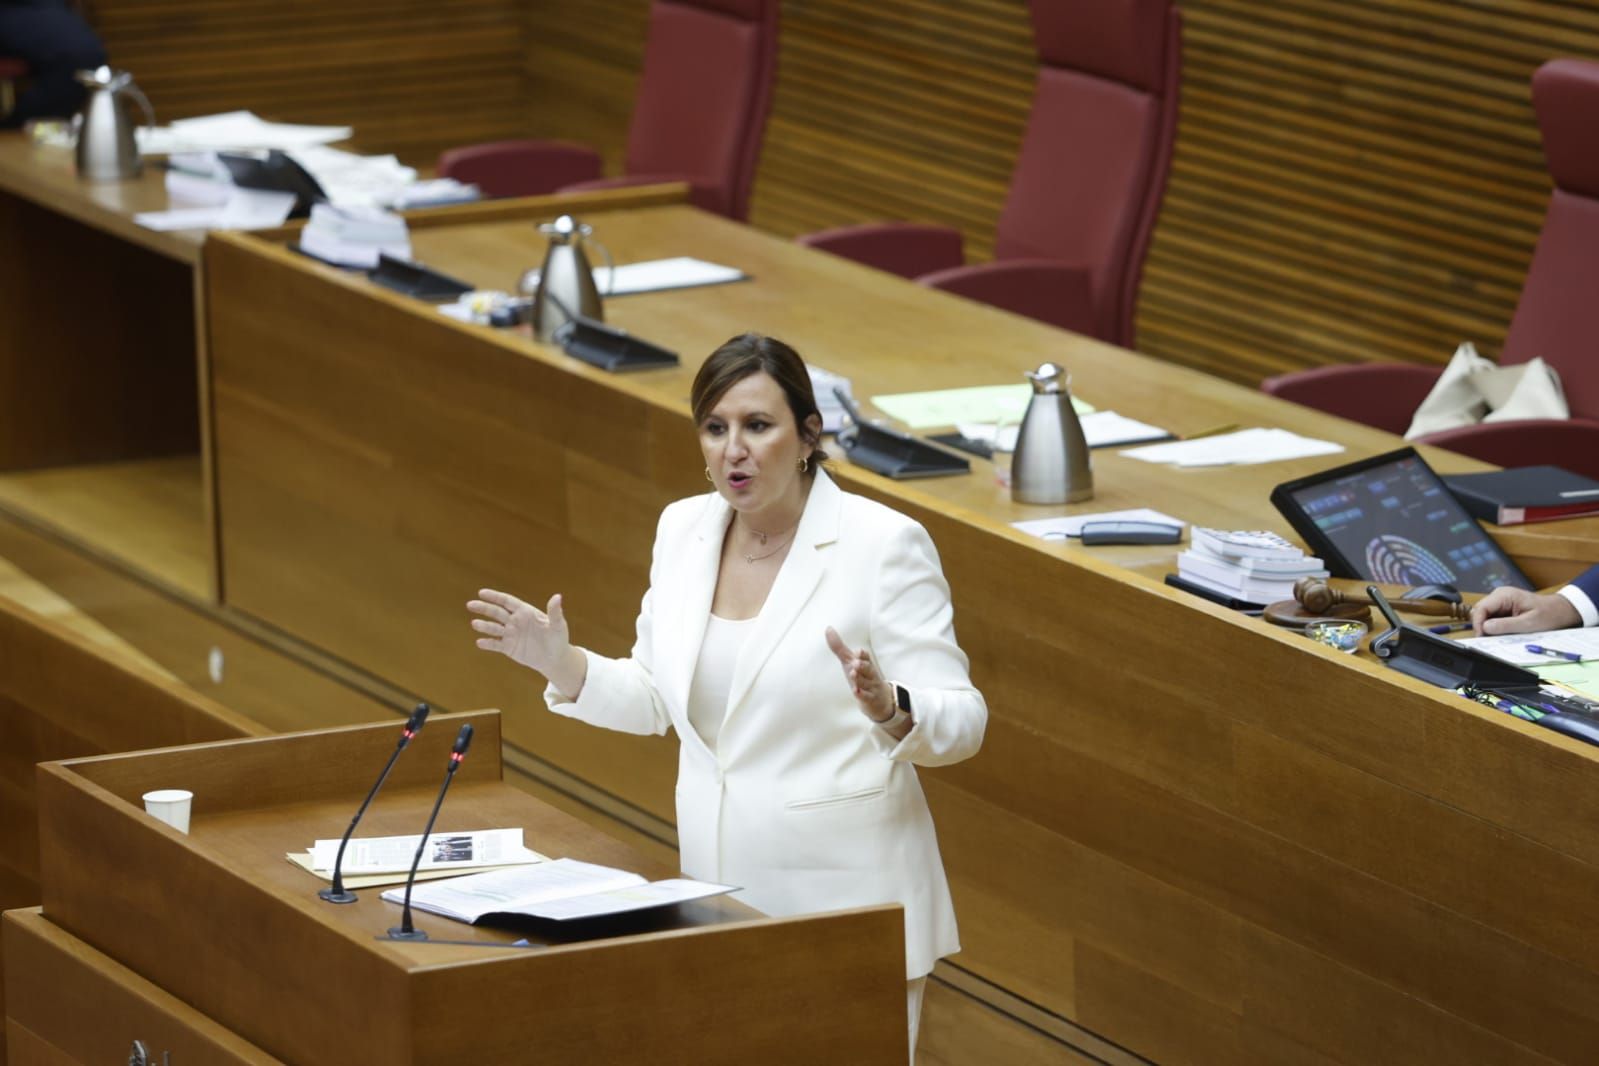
column 704, row 94
column 1558, row 316
column 1093, row 163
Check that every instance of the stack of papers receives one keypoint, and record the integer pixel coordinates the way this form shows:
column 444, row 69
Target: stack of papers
column 233, row 131
column 387, row 860
column 354, row 236
column 1245, row 447
column 1256, row 566
column 561, row 890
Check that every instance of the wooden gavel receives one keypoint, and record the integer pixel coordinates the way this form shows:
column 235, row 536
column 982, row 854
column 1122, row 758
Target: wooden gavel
column 1317, row 594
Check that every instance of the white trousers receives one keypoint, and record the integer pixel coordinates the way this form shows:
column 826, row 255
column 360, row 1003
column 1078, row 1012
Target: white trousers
column 913, row 1010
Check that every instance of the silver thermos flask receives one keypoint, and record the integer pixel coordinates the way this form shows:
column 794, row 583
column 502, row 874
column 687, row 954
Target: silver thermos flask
column 1051, row 460
column 107, row 149
column 565, row 283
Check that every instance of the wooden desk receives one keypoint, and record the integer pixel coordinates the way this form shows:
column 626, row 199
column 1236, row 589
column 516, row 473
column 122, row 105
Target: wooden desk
column 1204, row 838
column 218, row 920
column 102, row 357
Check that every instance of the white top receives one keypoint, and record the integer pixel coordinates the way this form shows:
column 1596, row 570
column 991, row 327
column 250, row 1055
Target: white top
column 713, row 675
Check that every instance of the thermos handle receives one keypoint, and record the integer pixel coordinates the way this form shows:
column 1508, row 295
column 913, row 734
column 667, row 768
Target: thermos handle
column 610, row 265
column 144, row 103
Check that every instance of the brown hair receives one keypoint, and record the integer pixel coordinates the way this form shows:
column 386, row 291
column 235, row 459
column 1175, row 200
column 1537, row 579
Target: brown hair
column 752, row 353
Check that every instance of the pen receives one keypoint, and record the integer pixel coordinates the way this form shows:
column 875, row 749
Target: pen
column 1569, row 656
column 1450, row 627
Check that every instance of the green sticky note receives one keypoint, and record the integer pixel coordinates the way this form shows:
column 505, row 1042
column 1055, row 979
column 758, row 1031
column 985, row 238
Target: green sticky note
column 1584, row 677
column 946, row 407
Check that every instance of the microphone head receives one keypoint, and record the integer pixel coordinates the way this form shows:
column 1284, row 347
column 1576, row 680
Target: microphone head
column 413, row 724
column 463, row 740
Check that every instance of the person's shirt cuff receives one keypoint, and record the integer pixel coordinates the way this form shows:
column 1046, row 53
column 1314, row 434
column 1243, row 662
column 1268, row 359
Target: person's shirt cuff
column 1585, row 606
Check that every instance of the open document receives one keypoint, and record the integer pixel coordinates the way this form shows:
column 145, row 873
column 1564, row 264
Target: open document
column 445, row 851
column 560, row 890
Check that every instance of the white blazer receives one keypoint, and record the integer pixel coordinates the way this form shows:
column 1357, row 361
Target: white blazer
column 805, row 804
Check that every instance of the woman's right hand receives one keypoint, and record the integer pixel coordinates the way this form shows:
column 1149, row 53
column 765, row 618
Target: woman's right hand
column 536, row 639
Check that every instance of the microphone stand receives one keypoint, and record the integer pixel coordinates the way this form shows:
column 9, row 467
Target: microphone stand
column 405, row 930
column 336, row 892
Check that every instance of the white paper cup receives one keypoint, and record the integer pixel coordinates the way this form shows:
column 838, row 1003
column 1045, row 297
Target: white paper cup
column 171, row 805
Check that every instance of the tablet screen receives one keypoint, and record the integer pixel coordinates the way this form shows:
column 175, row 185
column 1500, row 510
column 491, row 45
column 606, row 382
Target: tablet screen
column 1391, row 519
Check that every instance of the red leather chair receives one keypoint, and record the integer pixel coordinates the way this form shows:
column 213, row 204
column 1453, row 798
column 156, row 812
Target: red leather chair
column 1557, row 317
column 1088, row 182
column 703, row 98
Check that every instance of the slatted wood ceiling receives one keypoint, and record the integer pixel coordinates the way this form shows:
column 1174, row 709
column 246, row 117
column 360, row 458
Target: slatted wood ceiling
column 412, row 76
column 1354, row 179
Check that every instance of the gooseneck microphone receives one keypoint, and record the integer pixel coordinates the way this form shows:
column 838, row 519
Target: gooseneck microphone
column 405, row 930
column 336, row 892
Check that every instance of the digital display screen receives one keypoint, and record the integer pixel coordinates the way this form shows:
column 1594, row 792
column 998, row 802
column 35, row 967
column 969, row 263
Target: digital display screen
column 1396, row 523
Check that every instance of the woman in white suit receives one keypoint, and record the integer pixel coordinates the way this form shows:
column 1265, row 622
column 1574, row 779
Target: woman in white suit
column 800, row 641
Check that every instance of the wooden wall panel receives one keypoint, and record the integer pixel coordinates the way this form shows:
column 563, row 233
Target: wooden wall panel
column 412, row 76
column 1354, row 179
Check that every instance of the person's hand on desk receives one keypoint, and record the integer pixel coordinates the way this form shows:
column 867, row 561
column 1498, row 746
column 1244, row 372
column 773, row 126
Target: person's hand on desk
column 536, row 639
column 1511, row 610
column 875, row 694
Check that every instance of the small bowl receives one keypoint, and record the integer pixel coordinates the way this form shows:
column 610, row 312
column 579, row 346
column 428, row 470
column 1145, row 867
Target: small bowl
column 1341, row 633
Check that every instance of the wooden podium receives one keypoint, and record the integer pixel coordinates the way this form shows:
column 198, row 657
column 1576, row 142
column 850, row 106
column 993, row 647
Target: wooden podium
column 213, row 940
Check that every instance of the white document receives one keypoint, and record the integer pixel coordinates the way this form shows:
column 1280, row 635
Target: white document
column 657, row 275
column 1101, row 429
column 1072, row 525
column 179, row 218
column 243, row 209
column 1512, row 647
column 527, row 890
column 1245, row 447
column 233, row 131
column 622, row 900
column 371, row 855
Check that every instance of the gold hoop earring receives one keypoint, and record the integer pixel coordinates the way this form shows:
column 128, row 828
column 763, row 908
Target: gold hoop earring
column 708, row 476
column 803, row 463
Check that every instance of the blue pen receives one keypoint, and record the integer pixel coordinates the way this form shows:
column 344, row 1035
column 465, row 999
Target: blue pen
column 1450, row 627
column 1569, row 656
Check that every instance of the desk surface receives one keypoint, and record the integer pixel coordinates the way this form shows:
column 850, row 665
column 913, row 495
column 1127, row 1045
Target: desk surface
column 47, row 176
column 1203, row 837
column 890, row 337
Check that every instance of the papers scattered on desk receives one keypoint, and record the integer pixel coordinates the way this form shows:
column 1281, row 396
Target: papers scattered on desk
column 354, row 236
column 233, row 131
column 1245, row 447
column 1102, row 429
column 560, row 890
column 242, row 209
column 952, row 407
column 1064, row 526
column 444, row 851
column 1512, row 647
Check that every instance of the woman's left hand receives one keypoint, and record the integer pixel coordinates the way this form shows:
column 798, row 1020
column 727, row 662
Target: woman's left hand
column 872, row 691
